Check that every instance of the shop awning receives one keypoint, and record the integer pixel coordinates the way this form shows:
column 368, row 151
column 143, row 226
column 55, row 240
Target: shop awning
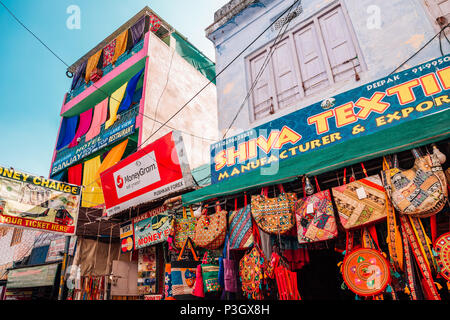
column 404, row 136
column 37, row 276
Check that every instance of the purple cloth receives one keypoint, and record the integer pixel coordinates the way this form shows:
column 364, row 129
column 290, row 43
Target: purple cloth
column 78, row 76
column 137, row 31
column 67, row 131
column 83, row 127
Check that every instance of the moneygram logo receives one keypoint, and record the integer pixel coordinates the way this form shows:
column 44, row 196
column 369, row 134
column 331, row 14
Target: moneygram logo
column 119, row 181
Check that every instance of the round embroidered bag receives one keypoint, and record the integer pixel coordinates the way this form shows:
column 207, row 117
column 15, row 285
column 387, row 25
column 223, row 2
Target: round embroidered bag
column 365, row 272
column 442, row 247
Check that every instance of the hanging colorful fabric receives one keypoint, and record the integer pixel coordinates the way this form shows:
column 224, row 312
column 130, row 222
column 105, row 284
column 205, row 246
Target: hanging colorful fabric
column 83, row 127
column 274, row 215
column 92, row 64
column 114, row 103
column 99, row 117
column 114, row 155
column 155, row 23
column 366, row 272
column 121, row 46
column 442, row 248
column 210, row 230
column 108, row 53
column 360, row 202
column 184, row 227
column 240, row 222
column 315, row 217
column 92, row 194
column 420, row 191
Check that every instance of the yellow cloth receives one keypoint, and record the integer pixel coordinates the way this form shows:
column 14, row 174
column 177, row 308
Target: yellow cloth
column 113, row 156
column 92, row 194
column 92, row 64
column 114, row 103
column 121, row 45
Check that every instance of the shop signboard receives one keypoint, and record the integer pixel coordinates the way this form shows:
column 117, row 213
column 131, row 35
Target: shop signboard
column 398, row 98
column 126, row 236
column 34, row 202
column 151, row 227
column 57, row 246
column 39, row 276
column 155, row 171
column 107, row 137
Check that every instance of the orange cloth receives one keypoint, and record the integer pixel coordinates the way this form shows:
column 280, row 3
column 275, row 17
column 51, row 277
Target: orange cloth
column 113, row 156
column 92, row 64
column 121, row 45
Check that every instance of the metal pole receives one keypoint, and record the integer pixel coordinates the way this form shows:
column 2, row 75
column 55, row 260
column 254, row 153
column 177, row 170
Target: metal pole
column 63, row 268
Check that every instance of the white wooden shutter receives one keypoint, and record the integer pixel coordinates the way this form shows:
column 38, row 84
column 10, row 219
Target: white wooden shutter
column 286, row 82
column 339, row 45
column 439, row 8
column 262, row 92
column 312, row 68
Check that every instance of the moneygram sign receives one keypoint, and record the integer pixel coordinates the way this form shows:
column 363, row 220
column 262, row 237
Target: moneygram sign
column 155, row 171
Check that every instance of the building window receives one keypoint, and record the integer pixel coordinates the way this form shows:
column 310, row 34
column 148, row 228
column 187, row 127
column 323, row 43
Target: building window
column 16, row 237
column 314, row 56
column 439, row 10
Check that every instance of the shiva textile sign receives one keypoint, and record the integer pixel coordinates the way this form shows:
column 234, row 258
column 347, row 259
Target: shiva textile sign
column 151, row 227
column 35, row 202
column 40, row 276
column 126, row 236
column 155, row 171
column 408, row 95
column 105, row 138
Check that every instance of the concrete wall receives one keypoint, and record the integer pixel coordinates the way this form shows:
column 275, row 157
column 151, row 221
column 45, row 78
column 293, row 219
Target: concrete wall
column 405, row 26
column 171, row 82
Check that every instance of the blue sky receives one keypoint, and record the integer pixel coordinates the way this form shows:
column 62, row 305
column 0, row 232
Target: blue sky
column 33, row 81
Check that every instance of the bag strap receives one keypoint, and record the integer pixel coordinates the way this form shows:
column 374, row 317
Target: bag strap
column 235, row 204
column 192, row 249
column 364, row 170
column 245, row 199
column 191, row 211
column 317, row 184
column 184, row 213
column 281, row 188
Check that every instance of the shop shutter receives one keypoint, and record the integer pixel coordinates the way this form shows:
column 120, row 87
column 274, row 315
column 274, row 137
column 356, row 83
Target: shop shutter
column 286, row 82
column 312, row 68
column 262, row 93
column 339, row 45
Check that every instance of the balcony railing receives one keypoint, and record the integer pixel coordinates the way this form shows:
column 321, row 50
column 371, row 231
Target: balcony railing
column 124, row 57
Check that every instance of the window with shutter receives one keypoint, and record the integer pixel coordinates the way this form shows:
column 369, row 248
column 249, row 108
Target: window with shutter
column 312, row 67
column 262, row 91
column 439, row 9
column 339, row 45
column 286, row 83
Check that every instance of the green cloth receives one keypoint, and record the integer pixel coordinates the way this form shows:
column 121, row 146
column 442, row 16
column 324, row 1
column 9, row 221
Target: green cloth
column 404, row 136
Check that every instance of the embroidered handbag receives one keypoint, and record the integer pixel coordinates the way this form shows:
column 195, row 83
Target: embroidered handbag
column 420, row 191
column 274, row 215
column 229, row 269
column 210, row 230
column 96, row 75
column 240, row 222
column 360, row 202
column 184, row 227
column 314, row 216
column 183, row 274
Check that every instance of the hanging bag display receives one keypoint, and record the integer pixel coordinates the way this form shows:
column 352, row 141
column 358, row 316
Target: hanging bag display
column 420, row 191
column 360, row 202
column 183, row 274
column 184, row 227
column 314, row 216
column 229, row 270
column 274, row 215
column 210, row 230
column 210, row 273
column 240, row 222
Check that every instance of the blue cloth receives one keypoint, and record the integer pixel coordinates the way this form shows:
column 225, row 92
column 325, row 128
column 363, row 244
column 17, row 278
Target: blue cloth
column 67, row 131
column 78, row 77
column 129, row 93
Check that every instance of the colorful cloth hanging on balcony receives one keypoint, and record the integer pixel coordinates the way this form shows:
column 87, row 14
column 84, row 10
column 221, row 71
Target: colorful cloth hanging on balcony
column 75, row 174
column 114, row 103
column 131, row 87
column 67, row 131
column 91, row 65
column 108, row 53
column 100, row 115
column 137, row 31
column 113, row 156
column 121, row 46
column 78, row 76
column 92, row 195
column 83, row 127
column 155, row 23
